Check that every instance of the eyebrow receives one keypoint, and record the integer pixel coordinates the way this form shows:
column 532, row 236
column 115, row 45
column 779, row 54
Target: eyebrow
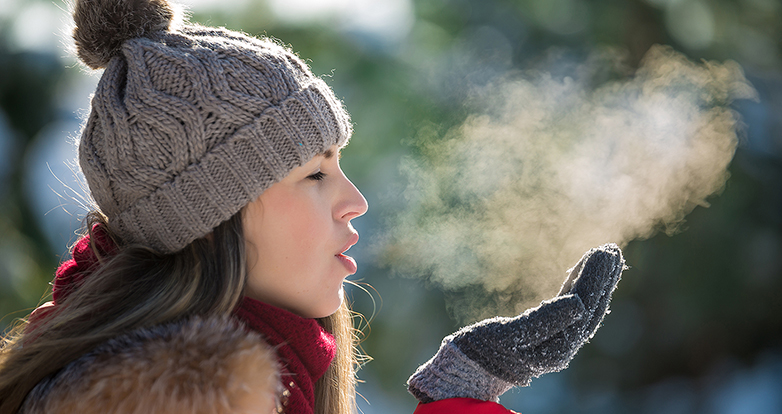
column 329, row 153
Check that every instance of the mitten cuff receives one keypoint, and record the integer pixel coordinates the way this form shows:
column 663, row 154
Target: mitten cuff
column 450, row 374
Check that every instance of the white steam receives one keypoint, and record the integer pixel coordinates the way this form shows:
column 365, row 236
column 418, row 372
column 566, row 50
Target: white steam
column 501, row 206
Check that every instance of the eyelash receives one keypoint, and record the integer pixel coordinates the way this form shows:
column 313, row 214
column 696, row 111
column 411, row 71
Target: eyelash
column 318, row 176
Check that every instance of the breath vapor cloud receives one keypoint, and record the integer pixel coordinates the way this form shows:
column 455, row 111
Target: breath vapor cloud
column 499, row 207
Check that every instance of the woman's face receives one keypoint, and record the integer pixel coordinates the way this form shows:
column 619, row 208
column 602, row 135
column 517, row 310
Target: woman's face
column 295, row 234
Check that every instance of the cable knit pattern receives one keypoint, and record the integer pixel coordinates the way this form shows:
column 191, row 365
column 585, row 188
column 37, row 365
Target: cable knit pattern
column 187, row 127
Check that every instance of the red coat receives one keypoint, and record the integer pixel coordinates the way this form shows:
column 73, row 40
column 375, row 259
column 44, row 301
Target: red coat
column 462, row 406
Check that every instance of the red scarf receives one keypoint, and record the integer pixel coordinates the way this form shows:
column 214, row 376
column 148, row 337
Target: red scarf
column 304, row 348
column 72, row 272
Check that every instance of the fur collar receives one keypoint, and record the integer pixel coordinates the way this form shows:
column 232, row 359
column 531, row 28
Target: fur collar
column 195, row 366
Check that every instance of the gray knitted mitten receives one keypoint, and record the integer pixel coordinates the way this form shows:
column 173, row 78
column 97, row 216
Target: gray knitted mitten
column 487, row 358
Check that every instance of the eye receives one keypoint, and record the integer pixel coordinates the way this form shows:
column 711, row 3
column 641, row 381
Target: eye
column 318, row 176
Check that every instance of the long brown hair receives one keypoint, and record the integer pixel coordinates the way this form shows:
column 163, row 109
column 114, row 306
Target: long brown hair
column 335, row 392
column 138, row 288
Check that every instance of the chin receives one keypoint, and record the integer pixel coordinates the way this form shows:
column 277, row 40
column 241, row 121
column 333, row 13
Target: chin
column 333, row 307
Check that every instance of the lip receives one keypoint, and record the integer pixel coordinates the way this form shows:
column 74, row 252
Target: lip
column 347, row 261
column 350, row 243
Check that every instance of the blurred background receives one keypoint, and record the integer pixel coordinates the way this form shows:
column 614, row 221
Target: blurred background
column 696, row 325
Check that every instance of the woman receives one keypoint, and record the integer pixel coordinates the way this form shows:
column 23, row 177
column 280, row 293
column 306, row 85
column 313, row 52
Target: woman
column 210, row 277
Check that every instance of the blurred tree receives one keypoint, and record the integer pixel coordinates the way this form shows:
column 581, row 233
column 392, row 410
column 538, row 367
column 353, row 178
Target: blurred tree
column 27, row 87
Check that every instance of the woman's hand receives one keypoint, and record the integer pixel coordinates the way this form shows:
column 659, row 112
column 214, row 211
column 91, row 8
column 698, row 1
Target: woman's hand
column 487, row 358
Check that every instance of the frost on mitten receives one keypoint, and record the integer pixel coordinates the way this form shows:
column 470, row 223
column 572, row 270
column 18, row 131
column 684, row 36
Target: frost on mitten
column 487, row 358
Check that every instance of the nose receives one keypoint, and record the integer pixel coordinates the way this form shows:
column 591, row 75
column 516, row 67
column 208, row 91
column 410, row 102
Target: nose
column 352, row 203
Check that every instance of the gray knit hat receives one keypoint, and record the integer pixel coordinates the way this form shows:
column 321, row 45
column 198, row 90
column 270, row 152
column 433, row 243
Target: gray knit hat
column 188, row 125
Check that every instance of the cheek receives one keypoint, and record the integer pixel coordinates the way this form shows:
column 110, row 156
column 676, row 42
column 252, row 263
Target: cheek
column 293, row 243
column 294, row 231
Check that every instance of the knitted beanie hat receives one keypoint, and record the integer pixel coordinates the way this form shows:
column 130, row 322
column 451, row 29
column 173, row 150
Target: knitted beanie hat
column 189, row 123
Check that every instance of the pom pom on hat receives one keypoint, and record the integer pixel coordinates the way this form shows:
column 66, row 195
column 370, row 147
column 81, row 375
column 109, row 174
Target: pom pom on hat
column 102, row 26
